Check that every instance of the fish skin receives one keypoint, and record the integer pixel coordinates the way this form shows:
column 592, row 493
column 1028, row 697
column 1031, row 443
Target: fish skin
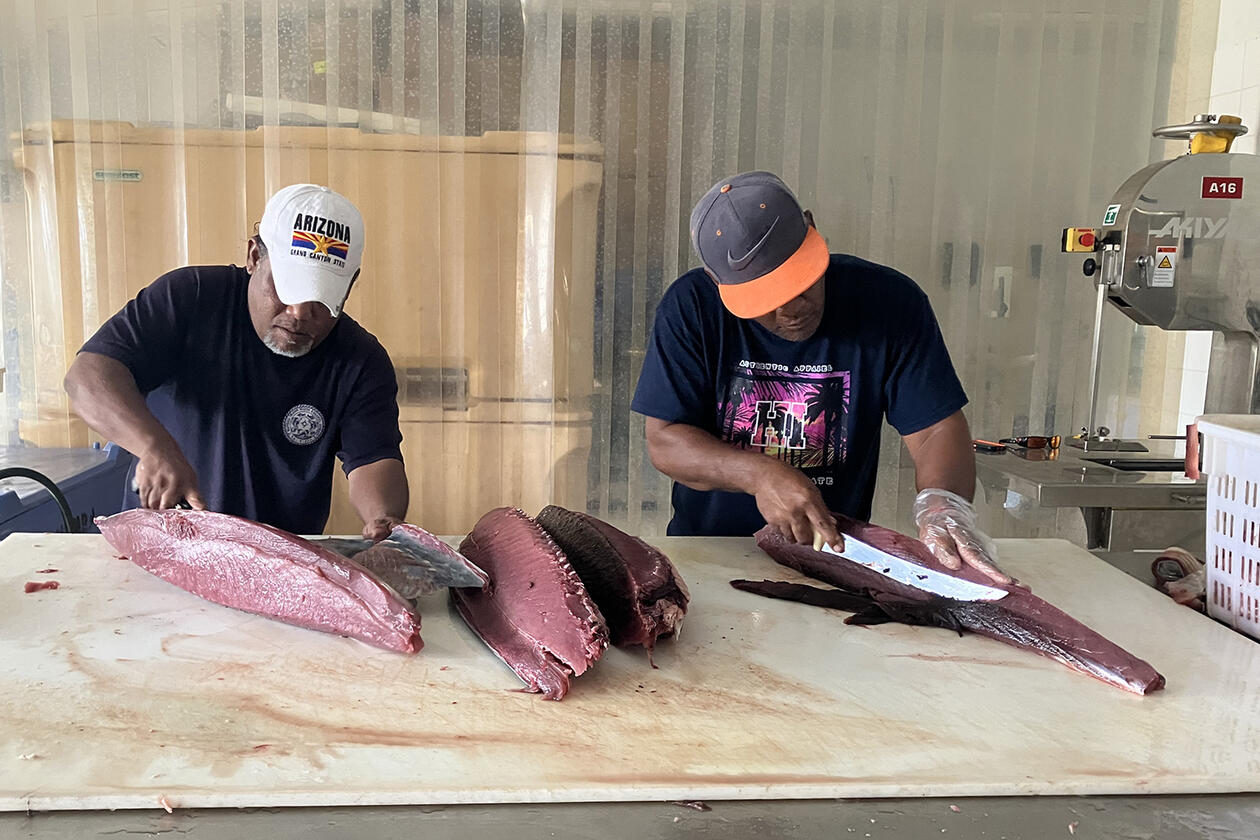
column 416, row 563
column 1020, row 619
column 345, row 546
column 637, row 588
column 263, row 570
column 816, row 596
column 868, row 608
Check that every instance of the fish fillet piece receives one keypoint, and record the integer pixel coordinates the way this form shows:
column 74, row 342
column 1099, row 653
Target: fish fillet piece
column 260, row 569
column 415, row 563
column 635, row 586
column 535, row 614
column 867, row 609
column 345, row 546
column 1020, row 619
column 803, row 593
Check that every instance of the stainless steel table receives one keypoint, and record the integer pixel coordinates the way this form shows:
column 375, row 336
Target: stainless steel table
column 1103, row 506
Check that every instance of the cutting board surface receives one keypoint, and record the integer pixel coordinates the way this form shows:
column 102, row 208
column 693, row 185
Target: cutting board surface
column 119, row 690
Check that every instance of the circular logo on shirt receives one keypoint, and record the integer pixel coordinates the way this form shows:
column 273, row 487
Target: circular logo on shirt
column 303, row 424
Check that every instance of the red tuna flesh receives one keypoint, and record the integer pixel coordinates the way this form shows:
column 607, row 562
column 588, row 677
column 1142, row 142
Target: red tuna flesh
column 634, row 585
column 535, row 614
column 266, row 571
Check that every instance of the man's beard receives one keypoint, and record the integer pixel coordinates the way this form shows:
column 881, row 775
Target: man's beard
column 290, row 352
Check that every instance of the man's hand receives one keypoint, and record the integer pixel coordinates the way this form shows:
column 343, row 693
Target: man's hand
column 380, row 528
column 378, row 492
column 164, row 478
column 948, row 527
column 786, row 498
column 790, row 501
column 104, row 393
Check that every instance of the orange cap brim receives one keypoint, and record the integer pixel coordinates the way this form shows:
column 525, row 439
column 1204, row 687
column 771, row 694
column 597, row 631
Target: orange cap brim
column 770, row 291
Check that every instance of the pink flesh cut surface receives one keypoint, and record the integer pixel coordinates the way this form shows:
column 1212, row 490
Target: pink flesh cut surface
column 263, row 570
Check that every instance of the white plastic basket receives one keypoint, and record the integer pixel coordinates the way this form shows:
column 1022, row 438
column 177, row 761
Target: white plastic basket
column 1231, row 463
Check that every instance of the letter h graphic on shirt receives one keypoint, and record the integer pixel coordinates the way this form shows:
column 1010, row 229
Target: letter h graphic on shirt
column 779, row 424
column 799, row 418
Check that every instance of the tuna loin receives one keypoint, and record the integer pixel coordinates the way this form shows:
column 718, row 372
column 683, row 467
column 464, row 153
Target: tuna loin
column 635, row 586
column 263, row 570
column 1020, row 619
column 415, row 563
column 535, row 614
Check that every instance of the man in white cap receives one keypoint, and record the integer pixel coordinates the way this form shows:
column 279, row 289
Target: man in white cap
column 236, row 387
column 769, row 374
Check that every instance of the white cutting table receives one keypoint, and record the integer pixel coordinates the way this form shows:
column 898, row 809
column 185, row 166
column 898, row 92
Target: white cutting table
column 119, row 691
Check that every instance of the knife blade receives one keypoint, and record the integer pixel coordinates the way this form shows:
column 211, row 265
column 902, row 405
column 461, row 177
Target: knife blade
column 912, row 574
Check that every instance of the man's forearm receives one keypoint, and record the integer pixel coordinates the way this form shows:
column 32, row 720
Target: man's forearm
column 944, row 457
column 103, row 392
column 946, row 468
column 786, row 497
column 379, row 490
column 695, row 458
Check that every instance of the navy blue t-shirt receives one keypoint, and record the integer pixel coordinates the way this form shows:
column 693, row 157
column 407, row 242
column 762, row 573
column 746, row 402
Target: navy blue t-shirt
column 260, row 429
column 816, row 404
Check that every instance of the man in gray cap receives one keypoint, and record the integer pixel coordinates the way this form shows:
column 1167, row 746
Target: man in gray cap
column 769, row 373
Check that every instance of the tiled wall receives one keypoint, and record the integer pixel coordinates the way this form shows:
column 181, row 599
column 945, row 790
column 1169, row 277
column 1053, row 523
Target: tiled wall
column 1193, row 378
column 1236, row 70
column 1235, row 90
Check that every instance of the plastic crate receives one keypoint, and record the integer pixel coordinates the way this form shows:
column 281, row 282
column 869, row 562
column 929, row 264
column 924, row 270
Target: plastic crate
column 94, row 482
column 1231, row 462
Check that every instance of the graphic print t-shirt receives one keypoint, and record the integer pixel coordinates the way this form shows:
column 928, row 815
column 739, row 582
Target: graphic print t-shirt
column 816, row 404
column 260, row 429
column 796, row 415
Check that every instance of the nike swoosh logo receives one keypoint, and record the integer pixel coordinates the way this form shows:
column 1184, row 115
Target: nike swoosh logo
column 742, row 263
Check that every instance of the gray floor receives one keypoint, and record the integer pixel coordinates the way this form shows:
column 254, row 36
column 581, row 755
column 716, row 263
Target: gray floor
column 1110, row 818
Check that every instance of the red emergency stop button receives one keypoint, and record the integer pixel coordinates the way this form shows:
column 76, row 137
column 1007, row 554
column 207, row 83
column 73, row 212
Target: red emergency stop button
column 1079, row 239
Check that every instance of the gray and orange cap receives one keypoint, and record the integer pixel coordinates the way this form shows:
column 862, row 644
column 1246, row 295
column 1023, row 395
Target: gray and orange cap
column 751, row 235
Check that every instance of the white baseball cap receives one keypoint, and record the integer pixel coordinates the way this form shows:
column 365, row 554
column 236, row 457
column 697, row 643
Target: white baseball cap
column 314, row 239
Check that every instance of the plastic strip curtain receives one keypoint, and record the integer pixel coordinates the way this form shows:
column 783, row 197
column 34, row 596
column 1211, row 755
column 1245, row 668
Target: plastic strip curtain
column 526, row 170
column 949, row 140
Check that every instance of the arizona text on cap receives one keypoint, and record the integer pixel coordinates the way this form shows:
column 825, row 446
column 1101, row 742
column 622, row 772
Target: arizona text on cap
column 751, row 235
column 314, row 239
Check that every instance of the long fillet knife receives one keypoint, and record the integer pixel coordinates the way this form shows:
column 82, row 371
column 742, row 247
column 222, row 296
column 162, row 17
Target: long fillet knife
column 911, row 574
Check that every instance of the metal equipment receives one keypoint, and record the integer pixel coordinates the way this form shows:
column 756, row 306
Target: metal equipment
column 42, row 488
column 1179, row 248
column 913, row 574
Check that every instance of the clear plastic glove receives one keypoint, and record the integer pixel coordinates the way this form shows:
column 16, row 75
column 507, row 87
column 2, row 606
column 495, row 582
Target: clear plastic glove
column 948, row 527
